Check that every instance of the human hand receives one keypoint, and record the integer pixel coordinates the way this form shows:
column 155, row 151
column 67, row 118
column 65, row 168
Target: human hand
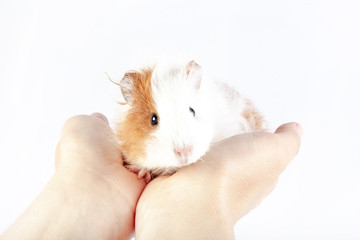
column 89, row 159
column 204, row 200
column 91, row 195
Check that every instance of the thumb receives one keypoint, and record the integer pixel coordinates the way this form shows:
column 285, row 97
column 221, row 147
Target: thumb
column 289, row 136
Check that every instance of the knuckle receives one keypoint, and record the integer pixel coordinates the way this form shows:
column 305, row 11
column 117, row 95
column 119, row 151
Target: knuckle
column 73, row 129
column 75, row 121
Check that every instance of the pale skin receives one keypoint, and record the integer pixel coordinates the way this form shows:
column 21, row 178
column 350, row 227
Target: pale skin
column 92, row 196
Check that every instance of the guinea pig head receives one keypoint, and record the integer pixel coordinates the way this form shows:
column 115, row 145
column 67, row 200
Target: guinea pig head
column 165, row 125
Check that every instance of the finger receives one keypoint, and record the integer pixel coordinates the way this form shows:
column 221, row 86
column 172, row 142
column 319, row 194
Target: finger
column 290, row 138
column 100, row 116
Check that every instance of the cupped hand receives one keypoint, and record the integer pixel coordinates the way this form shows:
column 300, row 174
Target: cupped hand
column 91, row 194
column 89, row 163
column 204, row 200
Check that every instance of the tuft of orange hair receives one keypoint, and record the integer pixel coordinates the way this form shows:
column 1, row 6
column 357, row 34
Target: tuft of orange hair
column 136, row 126
column 253, row 116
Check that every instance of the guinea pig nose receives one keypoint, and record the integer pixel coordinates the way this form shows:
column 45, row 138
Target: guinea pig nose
column 183, row 151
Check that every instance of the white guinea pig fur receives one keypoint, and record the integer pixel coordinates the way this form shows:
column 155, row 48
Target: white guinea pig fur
column 173, row 115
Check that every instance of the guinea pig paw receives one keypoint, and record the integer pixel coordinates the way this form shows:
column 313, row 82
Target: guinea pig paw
column 141, row 173
column 145, row 175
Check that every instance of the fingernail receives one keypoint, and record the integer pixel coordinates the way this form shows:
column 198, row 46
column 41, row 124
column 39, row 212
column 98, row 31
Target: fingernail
column 101, row 116
column 299, row 129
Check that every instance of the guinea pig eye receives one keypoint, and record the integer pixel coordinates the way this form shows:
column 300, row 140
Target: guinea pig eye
column 154, row 119
column 192, row 111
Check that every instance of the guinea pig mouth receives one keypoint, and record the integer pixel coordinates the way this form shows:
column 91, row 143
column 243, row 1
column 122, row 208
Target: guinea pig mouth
column 183, row 154
column 184, row 160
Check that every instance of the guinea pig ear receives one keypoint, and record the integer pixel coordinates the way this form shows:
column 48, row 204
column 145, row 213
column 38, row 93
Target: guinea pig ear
column 193, row 73
column 126, row 85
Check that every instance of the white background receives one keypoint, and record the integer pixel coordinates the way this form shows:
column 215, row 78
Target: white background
column 297, row 60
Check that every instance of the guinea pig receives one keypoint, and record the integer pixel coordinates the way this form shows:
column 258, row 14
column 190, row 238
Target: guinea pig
column 172, row 116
